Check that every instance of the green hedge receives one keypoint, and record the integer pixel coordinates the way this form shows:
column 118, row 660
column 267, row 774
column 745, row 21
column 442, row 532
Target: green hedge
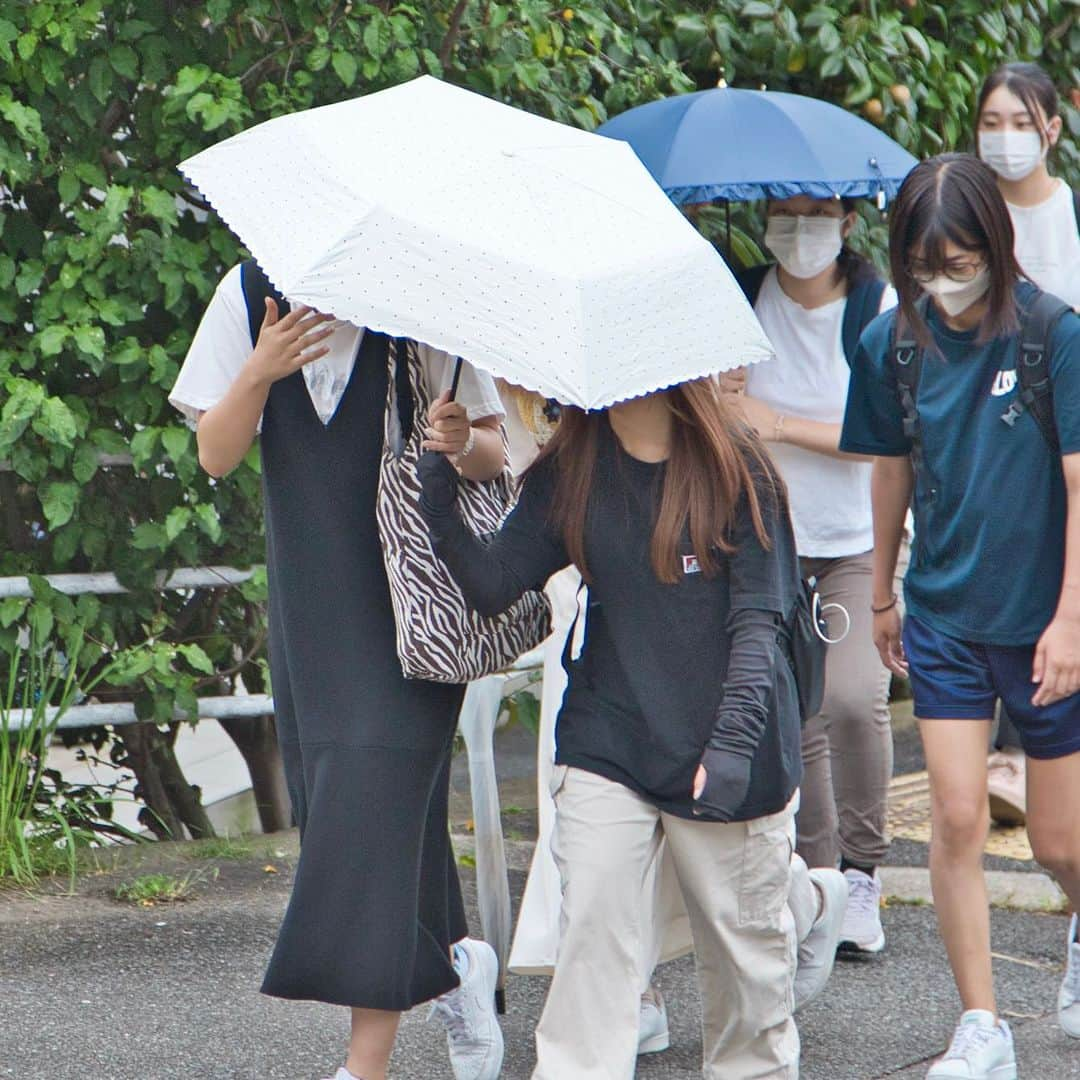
column 106, row 261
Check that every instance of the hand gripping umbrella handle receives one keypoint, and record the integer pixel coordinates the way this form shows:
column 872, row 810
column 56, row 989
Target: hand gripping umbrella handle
column 456, row 380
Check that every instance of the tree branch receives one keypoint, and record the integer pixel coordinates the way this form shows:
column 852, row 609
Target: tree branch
column 452, row 31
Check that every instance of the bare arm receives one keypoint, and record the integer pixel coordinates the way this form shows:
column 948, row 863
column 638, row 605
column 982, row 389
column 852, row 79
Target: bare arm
column 1056, row 670
column 771, row 426
column 226, row 432
column 891, row 482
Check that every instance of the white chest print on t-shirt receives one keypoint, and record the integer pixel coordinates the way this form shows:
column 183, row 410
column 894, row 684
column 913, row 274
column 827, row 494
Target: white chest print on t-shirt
column 1004, row 383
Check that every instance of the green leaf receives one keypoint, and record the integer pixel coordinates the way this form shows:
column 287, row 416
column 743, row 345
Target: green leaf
column 100, row 78
column 176, row 441
column 143, row 444
column 55, row 422
column 12, row 608
column 90, row 340
column 318, row 58
column 51, row 340
column 40, row 619
column 59, row 500
column 345, row 66
column 68, row 187
column 124, row 61
column 149, row 536
column 209, row 522
column 196, row 656
column 178, row 520
column 378, row 35
column 84, row 464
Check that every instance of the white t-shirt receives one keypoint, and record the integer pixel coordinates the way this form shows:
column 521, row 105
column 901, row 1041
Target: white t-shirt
column 1048, row 244
column 222, row 345
column 830, row 497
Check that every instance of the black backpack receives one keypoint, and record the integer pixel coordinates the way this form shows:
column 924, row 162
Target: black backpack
column 863, row 303
column 1038, row 318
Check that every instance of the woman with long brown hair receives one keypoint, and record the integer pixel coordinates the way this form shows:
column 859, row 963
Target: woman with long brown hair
column 680, row 721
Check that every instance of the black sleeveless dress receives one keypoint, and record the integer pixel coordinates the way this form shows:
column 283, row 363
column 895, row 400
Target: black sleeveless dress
column 376, row 901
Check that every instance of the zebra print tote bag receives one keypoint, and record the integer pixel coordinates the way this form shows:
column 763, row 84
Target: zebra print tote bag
column 439, row 637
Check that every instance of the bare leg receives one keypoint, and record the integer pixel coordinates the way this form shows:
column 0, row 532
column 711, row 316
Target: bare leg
column 1053, row 796
column 372, row 1041
column 956, row 761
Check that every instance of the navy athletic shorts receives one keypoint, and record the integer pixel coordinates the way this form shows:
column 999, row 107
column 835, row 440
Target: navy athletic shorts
column 963, row 680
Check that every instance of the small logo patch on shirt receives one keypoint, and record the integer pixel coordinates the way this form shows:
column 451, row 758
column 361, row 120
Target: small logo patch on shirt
column 690, row 564
column 1004, row 383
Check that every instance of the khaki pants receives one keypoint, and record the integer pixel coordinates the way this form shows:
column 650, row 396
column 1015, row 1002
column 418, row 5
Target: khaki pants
column 735, row 880
column 847, row 749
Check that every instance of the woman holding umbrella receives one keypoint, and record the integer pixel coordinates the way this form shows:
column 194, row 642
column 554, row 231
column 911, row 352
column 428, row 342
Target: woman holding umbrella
column 680, row 721
column 375, row 921
column 1018, row 126
column 814, row 303
column 966, row 398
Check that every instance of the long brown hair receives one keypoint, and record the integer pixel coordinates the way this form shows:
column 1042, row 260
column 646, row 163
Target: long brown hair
column 953, row 197
column 715, row 464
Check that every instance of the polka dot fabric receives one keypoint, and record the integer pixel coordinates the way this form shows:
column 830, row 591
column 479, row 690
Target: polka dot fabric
column 543, row 254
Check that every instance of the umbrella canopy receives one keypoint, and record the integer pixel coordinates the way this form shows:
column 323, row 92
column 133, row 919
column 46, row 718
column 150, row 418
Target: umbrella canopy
column 740, row 145
column 544, row 254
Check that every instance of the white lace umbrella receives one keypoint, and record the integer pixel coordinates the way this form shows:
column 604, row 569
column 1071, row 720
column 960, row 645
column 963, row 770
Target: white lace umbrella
column 544, row 254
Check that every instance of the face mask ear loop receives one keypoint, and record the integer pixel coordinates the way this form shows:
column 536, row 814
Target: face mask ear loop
column 820, row 610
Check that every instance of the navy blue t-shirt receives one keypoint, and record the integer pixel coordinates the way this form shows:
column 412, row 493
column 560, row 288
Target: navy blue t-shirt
column 989, row 550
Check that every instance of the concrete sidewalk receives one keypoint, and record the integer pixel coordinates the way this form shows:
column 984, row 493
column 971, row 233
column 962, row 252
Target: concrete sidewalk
column 92, row 989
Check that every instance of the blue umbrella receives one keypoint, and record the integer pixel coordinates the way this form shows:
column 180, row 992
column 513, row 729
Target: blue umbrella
column 739, row 145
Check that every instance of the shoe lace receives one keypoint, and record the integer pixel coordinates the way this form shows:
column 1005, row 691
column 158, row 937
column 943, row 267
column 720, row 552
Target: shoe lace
column 450, row 1010
column 969, row 1037
column 863, row 899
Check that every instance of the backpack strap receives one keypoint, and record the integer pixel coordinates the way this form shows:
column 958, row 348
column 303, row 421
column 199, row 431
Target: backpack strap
column 862, row 307
column 1036, row 393
column 257, row 288
column 906, row 361
column 1076, row 207
column 751, row 278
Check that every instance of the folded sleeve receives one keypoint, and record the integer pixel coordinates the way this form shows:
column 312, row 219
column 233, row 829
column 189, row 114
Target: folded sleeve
column 762, row 573
column 873, row 417
column 476, row 389
column 1065, row 374
column 219, row 350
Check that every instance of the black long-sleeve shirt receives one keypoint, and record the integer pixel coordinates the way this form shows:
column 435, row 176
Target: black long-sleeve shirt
column 665, row 670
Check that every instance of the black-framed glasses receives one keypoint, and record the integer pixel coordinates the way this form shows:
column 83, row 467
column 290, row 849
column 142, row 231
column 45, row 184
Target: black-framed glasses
column 958, row 271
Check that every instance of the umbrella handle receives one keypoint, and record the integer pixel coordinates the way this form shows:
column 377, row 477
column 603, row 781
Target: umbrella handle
column 456, row 379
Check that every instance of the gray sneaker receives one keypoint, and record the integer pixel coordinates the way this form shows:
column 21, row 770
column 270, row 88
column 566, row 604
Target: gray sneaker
column 862, row 930
column 653, row 1034
column 472, row 1029
column 817, row 953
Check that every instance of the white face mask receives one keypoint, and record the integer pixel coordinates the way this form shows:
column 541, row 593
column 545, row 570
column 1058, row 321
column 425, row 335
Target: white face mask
column 1012, row 154
column 804, row 246
column 955, row 297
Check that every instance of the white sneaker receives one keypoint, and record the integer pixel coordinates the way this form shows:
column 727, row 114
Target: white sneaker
column 343, row 1074
column 1069, row 995
column 862, row 931
column 472, row 1029
column 981, row 1049
column 817, row 953
column 653, row 1034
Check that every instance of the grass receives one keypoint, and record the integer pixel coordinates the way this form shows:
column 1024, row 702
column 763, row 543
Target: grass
column 218, row 847
column 149, row 890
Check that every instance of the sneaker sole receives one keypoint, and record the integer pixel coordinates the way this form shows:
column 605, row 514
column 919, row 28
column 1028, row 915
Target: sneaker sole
column 656, row 1044
column 1000, row 1072
column 1004, row 812
column 874, row 946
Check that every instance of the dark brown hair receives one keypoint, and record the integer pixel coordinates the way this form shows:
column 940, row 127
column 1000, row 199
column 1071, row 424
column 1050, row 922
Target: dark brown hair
column 1030, row 84
column 953, row 197
column 716, row 463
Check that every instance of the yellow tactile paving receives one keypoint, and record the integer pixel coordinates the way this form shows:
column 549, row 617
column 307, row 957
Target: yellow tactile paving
column 909, row 817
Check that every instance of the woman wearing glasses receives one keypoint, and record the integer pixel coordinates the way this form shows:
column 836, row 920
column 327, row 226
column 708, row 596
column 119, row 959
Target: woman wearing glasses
column 1019, row 126
column 938, row 396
